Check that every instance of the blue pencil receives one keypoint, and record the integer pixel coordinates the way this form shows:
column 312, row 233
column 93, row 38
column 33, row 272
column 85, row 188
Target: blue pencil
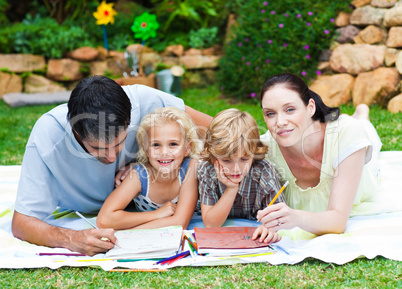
column 172, row 257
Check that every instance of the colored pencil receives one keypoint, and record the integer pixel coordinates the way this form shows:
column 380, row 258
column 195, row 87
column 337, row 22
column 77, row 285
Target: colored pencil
column 192, row 243
column 60, row 254
column 171, row 258
column 138, row 270
column 176, row 259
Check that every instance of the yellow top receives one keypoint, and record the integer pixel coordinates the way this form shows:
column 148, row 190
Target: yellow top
column 343, row 137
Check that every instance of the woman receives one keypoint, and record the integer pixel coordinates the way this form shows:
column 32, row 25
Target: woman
column 329, row 160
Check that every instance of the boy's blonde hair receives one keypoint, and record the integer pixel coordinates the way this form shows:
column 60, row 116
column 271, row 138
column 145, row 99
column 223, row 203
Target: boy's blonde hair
column 166, row 115
column 230, row 131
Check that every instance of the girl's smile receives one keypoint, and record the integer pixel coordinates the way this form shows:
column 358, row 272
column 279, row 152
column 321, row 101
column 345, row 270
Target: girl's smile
column 166, row 147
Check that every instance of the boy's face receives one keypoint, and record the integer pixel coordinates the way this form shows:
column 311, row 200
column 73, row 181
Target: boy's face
column 236, row 167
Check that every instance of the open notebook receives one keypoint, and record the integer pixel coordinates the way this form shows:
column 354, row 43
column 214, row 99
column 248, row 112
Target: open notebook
column 147, row 243
column 229, row 241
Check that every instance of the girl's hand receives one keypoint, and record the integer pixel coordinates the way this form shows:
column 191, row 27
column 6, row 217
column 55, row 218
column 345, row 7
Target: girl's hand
column 277, row 217
column 166, row 210
column 223, row 178
column 266, row 236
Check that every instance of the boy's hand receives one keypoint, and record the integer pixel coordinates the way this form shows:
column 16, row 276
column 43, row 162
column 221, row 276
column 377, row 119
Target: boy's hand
column 223, row 178
column 266, row 236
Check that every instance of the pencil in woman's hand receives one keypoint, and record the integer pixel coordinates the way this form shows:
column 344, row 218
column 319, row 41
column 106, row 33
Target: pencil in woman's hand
column 277, row 195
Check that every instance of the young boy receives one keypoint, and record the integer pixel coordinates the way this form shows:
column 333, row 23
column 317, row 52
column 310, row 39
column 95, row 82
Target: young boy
column 235, row 181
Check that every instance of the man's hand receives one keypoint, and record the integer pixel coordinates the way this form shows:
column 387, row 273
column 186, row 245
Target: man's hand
column 35, row 231
column 93, row 241
column 122, row 174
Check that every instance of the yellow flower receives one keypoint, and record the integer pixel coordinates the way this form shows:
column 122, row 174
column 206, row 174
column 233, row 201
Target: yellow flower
column 105, row 14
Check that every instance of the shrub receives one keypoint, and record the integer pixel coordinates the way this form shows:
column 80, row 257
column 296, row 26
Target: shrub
column 203, row 38
column 41, row 36
column 274, row 37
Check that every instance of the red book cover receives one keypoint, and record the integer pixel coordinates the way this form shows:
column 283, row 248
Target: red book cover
column 226, row 238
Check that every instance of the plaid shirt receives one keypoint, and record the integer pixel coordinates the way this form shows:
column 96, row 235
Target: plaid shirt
column 256, row 190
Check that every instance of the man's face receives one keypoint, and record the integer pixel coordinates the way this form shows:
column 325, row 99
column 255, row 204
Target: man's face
column 106, row 153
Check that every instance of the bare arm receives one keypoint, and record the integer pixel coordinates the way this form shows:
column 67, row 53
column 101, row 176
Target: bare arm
column 186, row 204
column 113, row 214
column 216, row 215
column 333, row 220
column 38, row 232
column 200, row 119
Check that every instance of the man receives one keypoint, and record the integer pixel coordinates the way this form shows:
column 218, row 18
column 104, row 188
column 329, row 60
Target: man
column 72, row 157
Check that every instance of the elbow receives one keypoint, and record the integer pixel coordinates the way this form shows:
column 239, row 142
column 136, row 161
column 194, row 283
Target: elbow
column 339, row 229
column 181, row 222
column 102, row 222
column 16, row 226
column 16, row 231
column 336, row 229
column 209, row 224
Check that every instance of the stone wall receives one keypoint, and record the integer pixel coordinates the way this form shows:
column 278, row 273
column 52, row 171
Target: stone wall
column 364, row 65
column 34, row 74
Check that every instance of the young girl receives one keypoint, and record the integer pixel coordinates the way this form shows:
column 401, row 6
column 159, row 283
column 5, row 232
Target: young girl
column 234, row 180
column 163, row 184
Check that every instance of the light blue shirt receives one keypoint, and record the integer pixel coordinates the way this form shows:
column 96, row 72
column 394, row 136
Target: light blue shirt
column 57, row 172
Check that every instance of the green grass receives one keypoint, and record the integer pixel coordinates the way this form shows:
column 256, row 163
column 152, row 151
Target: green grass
column 16, row 124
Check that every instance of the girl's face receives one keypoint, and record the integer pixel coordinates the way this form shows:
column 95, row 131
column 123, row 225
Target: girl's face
column 286, row 116
column 166, row 147
column 236, row 167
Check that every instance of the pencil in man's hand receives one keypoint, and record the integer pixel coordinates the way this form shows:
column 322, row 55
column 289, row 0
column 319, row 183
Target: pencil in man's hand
column 95, row 227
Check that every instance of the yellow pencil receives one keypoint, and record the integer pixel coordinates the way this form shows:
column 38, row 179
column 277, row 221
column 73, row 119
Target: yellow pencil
column 247, row 256
column 277, row 195
column 84, row 260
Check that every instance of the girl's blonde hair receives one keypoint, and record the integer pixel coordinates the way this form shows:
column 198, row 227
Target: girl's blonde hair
column 232, row 131
column 166, row 115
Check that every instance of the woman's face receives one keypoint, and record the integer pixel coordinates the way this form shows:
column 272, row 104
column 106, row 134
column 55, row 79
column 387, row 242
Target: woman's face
column 286, row 116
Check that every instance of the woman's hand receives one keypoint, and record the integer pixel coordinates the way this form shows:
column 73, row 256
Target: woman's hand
column 277, row 217
column 266, row 236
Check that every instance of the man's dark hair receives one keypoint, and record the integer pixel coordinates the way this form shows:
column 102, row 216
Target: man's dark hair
column 99, row 109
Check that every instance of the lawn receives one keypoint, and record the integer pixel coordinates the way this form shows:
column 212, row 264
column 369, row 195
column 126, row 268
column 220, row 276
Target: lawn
column 16, row 124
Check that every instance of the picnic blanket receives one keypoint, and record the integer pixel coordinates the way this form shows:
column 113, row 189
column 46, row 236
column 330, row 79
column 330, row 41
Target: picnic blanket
column 365, row 236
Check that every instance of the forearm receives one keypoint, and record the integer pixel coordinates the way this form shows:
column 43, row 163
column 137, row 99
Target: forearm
column 167, row 221
column 200, row 119
column 37, row 232
column 320, row 223
column 218, row 213
column 120, row 220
